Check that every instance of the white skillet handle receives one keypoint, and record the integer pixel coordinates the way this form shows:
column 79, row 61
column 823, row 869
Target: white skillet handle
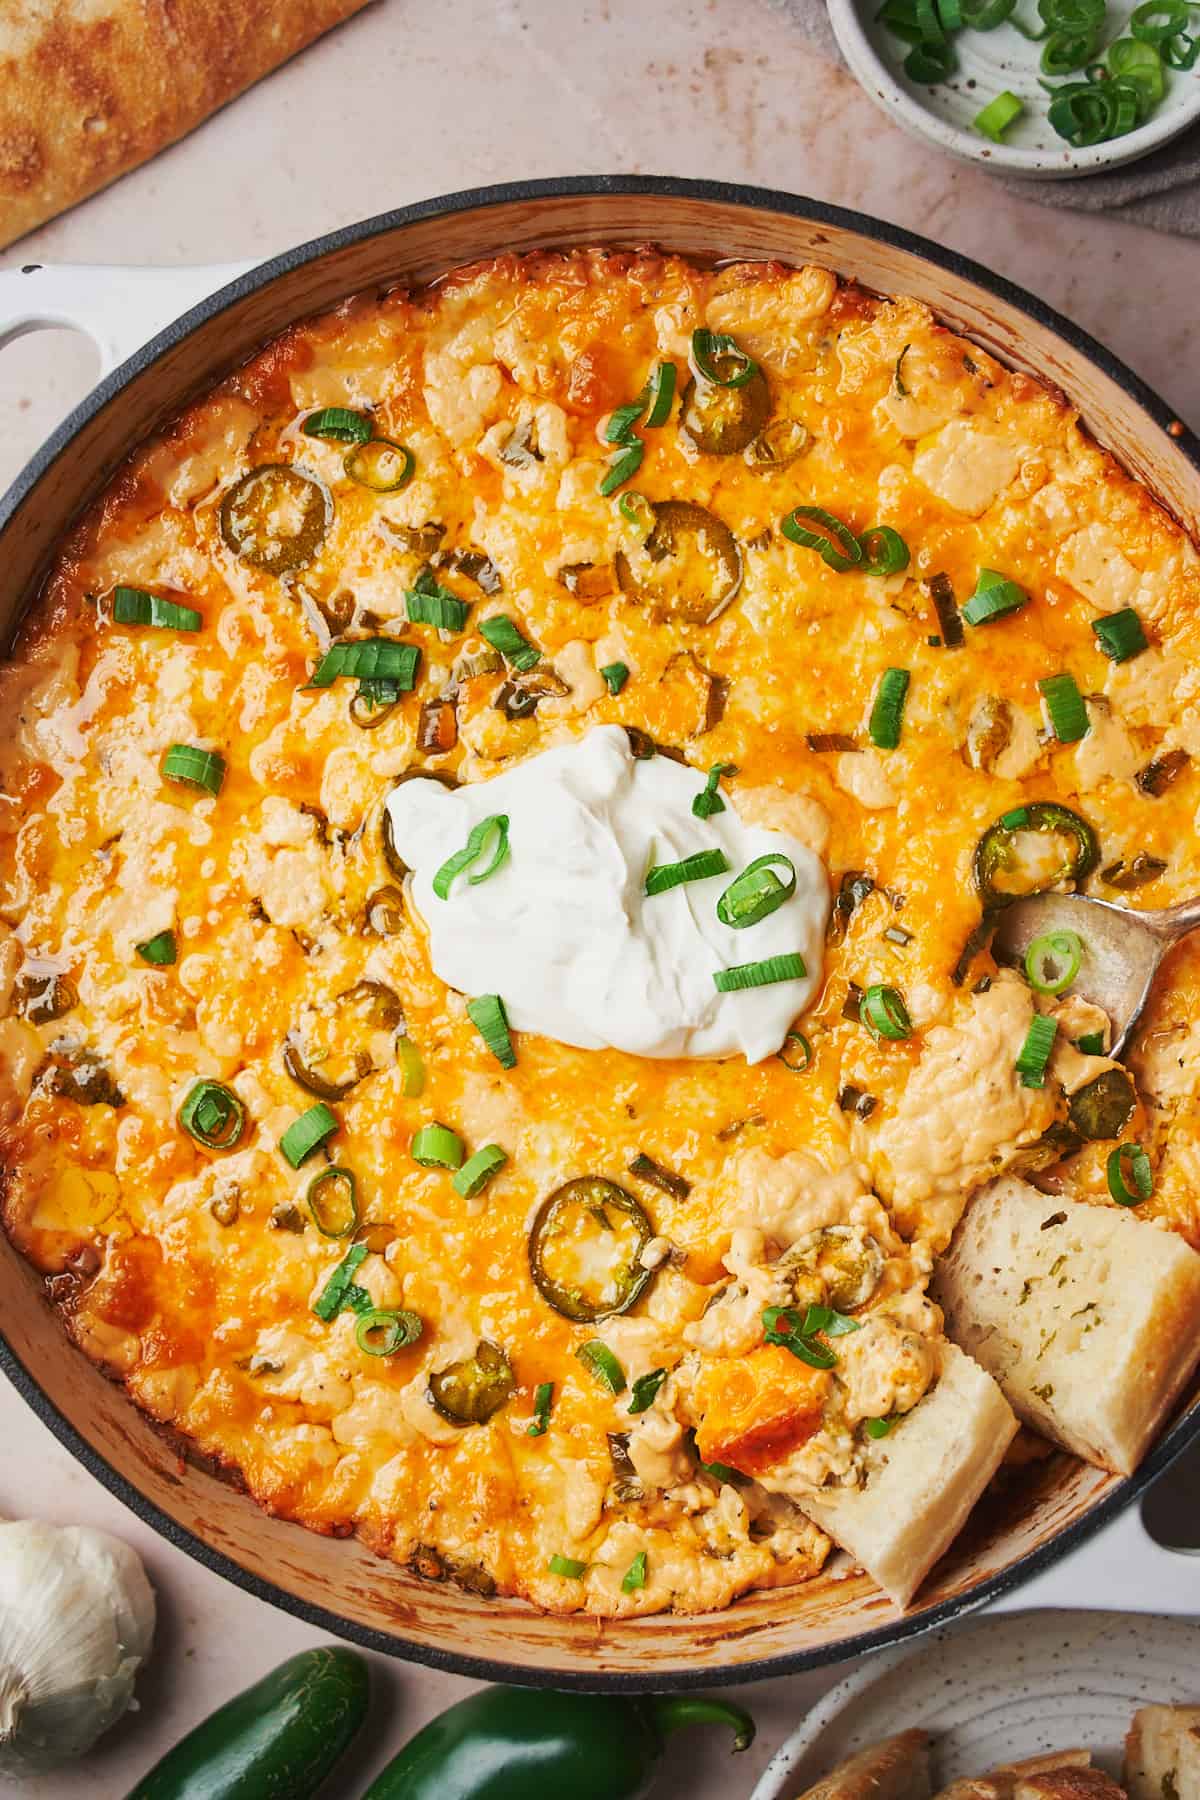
column 1121, row 1569
column 119, row 309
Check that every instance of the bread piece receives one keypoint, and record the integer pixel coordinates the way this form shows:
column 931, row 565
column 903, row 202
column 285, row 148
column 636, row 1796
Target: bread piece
column 91, row 88
column 1087, row 1317
column 998, row 1784
column 924, row 1477
column 1162, row 1754
column 1069, row 1783
column 897, row 1769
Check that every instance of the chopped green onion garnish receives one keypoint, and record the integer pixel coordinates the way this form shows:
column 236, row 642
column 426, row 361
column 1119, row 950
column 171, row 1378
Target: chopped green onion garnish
column 194, row 768
column 660, row 391
column 543, row 1399
column 489, row 837
column 720, row 360
column 888, row 708
column 757, row 892
column 490, row 1020
column 1031, row 1064
column 369, row 659
column 159, row 950
column 884, row 551
column 700, row 866
column 797, row 1332
column 645, row 1389
column 623, row 467
column 635, row 1575
column 599, row 1361
column 503, row 636
column 1120, row 634
column 437, row 1147
column 1091, row 1043
column 637, row 511
column 721, row 1472
column 134, row 606
column 381, row 465
column 878, row 1428
column 930, row 61
column 478, row 1170
column 883, row 1012
column 788, row 967
column 430, row 604
column 335, row 1294
column 340, row 423
column 412, row 1068
column 567, row 1567
column 709, row 801
column 333, row 1201
column 1052, row 961
column 383, row 1333
column 998, row 115
column 797, row 1053
column 621, row 422
column 833, row 540
column 1064, row 703
column 307, row 1133
column 1181, row 51
column 1158, row 20
column 995, row 597
column 213, row 1115
column 1130, row 1179
column 615, row 676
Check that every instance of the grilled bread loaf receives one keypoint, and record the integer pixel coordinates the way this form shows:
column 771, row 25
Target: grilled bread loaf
column 896, row 1769
column 1162, row 1754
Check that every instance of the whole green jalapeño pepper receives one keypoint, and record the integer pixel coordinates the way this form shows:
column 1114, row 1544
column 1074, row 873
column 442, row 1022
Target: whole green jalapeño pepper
column 509, row 1743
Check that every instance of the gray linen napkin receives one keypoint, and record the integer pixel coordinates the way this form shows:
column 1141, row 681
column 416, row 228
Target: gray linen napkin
column 1161, row 191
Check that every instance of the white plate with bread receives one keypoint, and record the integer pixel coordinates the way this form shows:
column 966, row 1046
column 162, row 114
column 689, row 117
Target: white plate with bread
column 1095, row 1705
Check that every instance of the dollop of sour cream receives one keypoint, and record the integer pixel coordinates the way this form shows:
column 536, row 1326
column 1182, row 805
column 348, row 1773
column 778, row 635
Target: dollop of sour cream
column 564, row 931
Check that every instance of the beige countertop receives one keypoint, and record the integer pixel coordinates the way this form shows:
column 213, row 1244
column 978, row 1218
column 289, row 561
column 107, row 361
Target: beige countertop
column 406, row 102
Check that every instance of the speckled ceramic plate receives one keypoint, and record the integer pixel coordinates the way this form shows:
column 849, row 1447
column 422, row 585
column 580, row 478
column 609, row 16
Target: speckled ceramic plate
column 990, row 62
column 995, row 1689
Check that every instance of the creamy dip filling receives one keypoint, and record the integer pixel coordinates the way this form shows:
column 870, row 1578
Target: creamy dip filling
column 564, row 931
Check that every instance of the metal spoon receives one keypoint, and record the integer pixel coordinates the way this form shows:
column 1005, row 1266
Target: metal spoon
column 1122, row 948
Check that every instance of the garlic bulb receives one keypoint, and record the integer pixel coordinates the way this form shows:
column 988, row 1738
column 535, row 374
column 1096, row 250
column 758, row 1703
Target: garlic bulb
column 76, row 1623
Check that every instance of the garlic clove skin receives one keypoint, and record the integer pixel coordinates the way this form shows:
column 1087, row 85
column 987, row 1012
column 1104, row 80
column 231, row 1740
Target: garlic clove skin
column 76, row 1624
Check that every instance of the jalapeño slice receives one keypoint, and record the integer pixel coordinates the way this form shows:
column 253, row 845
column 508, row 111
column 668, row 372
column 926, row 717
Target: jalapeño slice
column 589, row 1224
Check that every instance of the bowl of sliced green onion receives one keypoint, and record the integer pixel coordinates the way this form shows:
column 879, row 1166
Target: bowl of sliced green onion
column 1050, row 88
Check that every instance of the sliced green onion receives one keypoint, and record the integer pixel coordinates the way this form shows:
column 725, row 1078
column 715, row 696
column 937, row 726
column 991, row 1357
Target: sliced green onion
column 615, row 676
column 623, row 467
column 478, row 1170
column 635, row 1575
column 1064, row 703
column 437, row 1147
column 502, row 635
column 622, row 420
column 928, row 21
column 134, row 606
column 1032, row 1063
column 721, row 1472
column 333, row 1201
column 412, row 1068
column 833, row 541
column 1052, row 961
column 757, row 892
column 878, row 1428
column 950, row 15
column 797, row 1053
column 158, row 950
column 646, row 1169
column 434, row 605
column 1130, row 1180
column 888, row 708
column 645, row 1388
column 599, row 1361
column 998, row 115
column 1139, row 63
column 1066, row 51
column 784, row 1326
column 194, row 768
column 660, row 393
column 721, row 360
column 884, row 551
column 1120, row 634
column 307, row 1133
column 489, row 837
column 1072, row 15
column 383, row 1333
column 930, row 61
column 213, row 1115
column 883, row 1012
column 335, row 1294
column 1158, row 20
column 543, row 1400
column 898, row 374
column 369, row 659
column 567, row 1567
column 637, row 511
column 700, row 866
column 1091, row 1043
column 490, row 1020
column 708, row 801
column 382, row 465
column 340, row 423
column 1181, row 51
column 995, row 597
column 788, row 967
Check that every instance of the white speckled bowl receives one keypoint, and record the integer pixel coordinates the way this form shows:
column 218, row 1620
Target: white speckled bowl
column 993, row 1690
column 989, row 62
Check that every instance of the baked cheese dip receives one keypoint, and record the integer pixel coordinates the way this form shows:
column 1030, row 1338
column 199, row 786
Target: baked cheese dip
column 505, row 802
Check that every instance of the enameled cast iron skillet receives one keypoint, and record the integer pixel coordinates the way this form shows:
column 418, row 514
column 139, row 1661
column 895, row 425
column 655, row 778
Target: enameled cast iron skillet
column 336, row 1583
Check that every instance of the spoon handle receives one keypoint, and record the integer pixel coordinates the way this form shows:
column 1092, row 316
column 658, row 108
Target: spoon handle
column 1171, row 923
